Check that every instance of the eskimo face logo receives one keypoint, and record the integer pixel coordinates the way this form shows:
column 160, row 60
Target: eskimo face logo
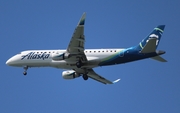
column 33, row 55
column 153, row 36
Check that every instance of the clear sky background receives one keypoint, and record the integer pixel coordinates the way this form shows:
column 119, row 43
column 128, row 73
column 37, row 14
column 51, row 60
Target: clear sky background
column 146, row 86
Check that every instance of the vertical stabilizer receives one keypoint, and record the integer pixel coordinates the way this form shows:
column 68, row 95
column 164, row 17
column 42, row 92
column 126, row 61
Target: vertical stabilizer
column 154, row 35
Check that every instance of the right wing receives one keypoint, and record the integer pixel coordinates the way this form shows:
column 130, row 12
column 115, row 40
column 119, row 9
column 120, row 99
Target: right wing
column 99, row 78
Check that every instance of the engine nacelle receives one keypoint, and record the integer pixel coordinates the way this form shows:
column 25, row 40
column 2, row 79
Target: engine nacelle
column 60, row 56
column 70, row 74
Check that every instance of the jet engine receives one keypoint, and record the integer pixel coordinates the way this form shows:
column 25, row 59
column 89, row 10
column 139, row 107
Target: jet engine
column 60, row 56
column 70, row 74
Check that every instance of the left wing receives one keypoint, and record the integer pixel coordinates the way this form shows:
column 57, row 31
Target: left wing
column 99, row 78
column 76, row 45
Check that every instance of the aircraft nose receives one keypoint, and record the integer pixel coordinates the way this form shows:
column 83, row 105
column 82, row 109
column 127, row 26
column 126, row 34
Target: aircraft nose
column 9, row 62
column 13, row 61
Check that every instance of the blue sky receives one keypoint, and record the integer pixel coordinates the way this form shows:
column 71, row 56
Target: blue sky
column 146, row 86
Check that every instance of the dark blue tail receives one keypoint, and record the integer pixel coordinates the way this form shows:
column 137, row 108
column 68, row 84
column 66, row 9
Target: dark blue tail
column 156, row 33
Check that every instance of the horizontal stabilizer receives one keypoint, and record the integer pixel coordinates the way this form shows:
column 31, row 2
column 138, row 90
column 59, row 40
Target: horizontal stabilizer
column 150, row 46
column 159, row 58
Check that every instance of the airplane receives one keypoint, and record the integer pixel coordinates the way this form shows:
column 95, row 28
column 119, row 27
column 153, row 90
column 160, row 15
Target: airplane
column 79, row 61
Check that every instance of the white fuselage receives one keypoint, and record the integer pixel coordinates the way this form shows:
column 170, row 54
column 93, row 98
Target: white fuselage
column 44, row 58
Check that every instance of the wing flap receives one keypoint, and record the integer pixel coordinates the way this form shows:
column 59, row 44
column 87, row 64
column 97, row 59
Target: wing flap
column 77, row 40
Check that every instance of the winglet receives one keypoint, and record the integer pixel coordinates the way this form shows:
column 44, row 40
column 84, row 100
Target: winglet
column 82, row 20
column 116, row 81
